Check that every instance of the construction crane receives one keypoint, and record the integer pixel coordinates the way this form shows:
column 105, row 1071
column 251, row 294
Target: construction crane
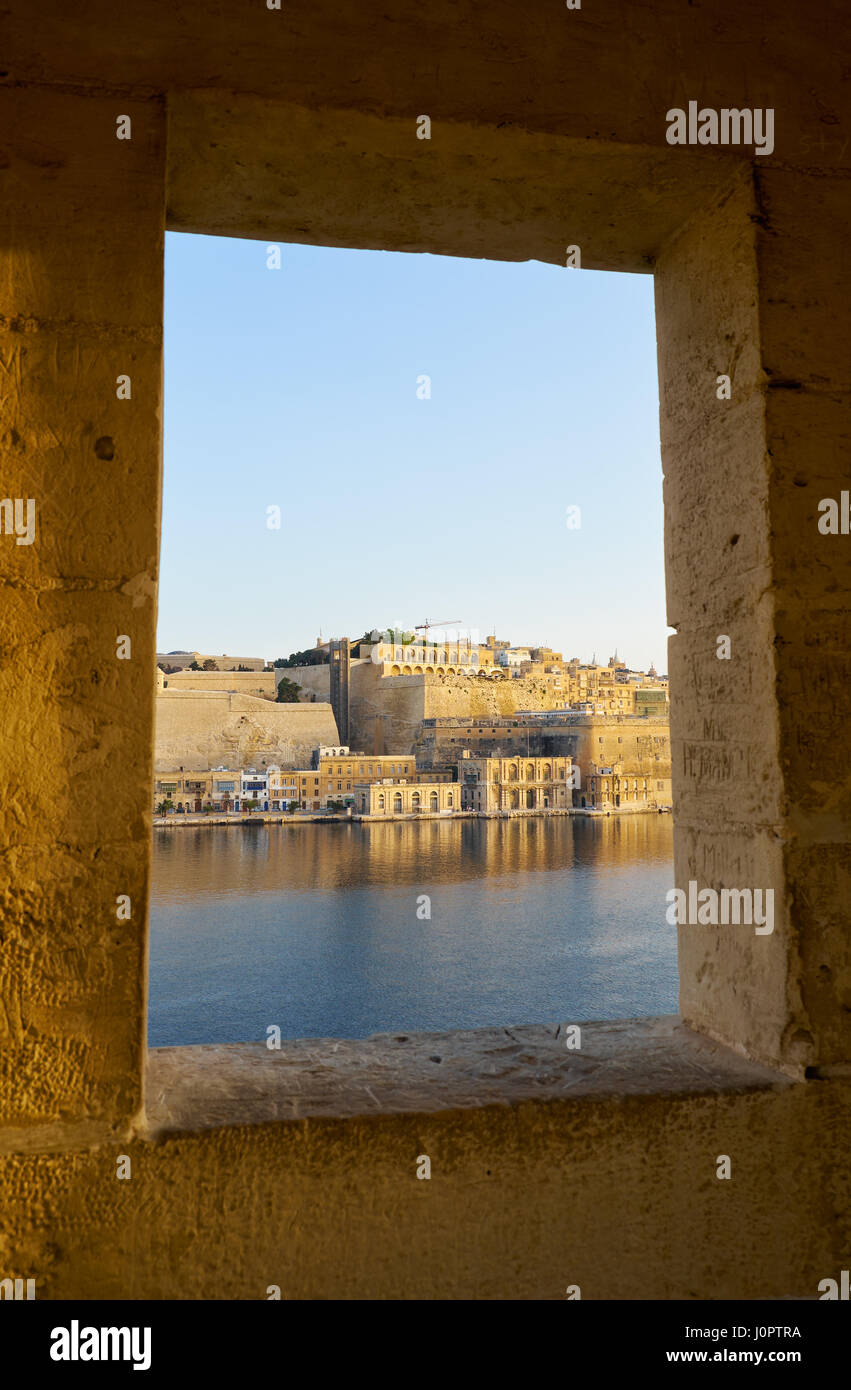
column 443, row 622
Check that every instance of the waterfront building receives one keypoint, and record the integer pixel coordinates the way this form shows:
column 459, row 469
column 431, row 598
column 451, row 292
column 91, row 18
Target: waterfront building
column 191, row 791
column 284, row 787
column 327, row 751
column 492, row 785
column 333, row 776
column 389, row 798
column 615, row 788
column 338, row 776
column 253, row 787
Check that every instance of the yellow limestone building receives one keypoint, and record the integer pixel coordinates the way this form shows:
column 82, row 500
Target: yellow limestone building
column 334, row 777
column 516, row 784
column 391, row 798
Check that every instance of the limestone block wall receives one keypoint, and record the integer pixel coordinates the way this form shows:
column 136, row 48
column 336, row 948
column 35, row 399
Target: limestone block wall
column 81, row 255
column 198, row 730
column 753, row 737
column 258, row 683
column 223, row 662
column 644, row 750
column 315, row 681
column 402, row 702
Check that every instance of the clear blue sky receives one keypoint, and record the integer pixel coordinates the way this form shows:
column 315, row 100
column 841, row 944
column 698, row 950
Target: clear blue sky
column 297, row 388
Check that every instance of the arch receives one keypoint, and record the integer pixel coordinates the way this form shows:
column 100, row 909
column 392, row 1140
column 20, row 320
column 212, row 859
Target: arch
column 515, row 799
column 450, row 799
column 418, row 670
column 397, row 803
column 406, row 671
column 530, row 772
column 530, row 799
column 429, row 670
column 512, row 773
column 433, row 801
column 548, row 772
column 381, row 801
column 394, row 671
column 415, row 801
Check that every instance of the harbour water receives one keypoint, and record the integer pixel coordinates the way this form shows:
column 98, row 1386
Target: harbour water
column 321, row 929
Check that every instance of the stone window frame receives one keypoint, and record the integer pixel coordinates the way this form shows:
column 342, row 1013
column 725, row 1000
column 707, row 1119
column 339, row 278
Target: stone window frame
column 680, row 210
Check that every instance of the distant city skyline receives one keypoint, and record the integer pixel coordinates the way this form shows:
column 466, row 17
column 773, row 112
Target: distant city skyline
column 297, row 389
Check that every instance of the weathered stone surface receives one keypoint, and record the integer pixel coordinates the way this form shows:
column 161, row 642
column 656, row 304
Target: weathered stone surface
column 80, row 303
column 535, row 1184
column 199, row 730
column 196, row 1088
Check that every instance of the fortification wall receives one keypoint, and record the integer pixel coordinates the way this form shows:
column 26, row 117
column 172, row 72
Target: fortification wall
column 314, row 680
column 401, row 703
column 643, row 749
column 261, row 684
column 202, row 729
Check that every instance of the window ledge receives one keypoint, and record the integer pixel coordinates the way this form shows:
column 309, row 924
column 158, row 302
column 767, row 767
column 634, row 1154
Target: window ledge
column 221, row 1085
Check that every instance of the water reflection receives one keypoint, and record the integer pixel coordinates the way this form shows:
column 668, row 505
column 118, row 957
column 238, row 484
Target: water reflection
column 315, row 927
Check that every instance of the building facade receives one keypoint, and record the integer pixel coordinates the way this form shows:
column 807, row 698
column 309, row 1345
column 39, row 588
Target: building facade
column 494, row 785
column 407, row 798
column 613, row 788
column 253, row 788
column 217, row 789
column 421, row 658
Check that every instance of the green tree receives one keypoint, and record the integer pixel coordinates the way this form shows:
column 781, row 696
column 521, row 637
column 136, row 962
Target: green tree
column 288, row 691
column 193, row 666
column 309, row 657
column 164, row 807
column 210, row 665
